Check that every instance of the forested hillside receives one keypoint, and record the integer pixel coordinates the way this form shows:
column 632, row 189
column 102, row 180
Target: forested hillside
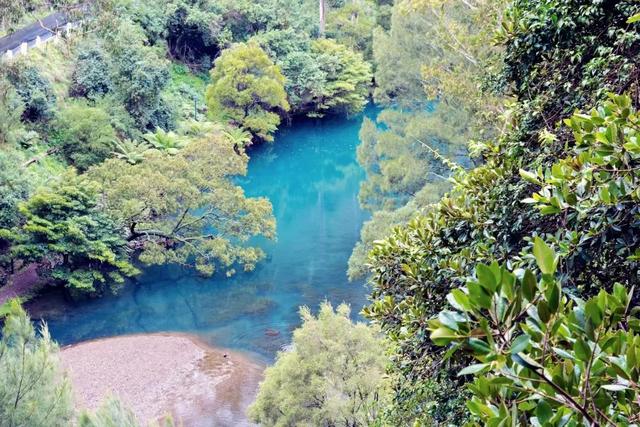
column 516, row 290
column 112, row 138
column 502, row 184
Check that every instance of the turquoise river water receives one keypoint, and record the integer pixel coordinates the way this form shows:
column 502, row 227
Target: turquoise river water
column 311, row 176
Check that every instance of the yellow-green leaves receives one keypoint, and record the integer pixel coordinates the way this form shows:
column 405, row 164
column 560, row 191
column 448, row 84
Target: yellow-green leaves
column 545, row 256
column 530, row 176
column 247, row 89
column 634, row 18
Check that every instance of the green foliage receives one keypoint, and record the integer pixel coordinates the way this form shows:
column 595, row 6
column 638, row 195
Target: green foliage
column 140, row 74
column 34, row 90
column 321, row 75
column 412, row 150
column 556, row 55
column 544, row 357
column 131, row 151
column 92, row 75
column 11, row 109
column 245, row 18
column 332, row 375
column 169, row 142
column 238, row 137
column 304, row 79
column 247, row 90
column 64, row 226
column 352, row 25
column 112, row 413
column 84, row 134
column 32, row 391
column 556, row 59
column 403, row 43
column 402, row 153
column 348, row 77
column 194, row 30
column 184, row 208
column 16, row 183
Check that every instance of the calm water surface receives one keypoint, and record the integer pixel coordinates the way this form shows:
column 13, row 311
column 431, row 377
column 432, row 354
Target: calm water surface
column 311, row 176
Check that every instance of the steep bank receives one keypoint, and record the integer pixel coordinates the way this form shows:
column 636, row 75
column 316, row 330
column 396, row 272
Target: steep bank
column 158, row 374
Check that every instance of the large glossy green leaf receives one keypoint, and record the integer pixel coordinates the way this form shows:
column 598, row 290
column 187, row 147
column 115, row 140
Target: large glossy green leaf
column 545, row 256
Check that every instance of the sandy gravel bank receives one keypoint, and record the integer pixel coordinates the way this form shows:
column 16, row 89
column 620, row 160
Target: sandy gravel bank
column 157, row 374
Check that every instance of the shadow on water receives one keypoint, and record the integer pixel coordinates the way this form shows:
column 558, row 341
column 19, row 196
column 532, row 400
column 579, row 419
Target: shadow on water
column 311, row 176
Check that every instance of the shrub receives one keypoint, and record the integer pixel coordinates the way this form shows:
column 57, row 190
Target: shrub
column 333, row 374
column 92, row 75
column 247, row 89
column 544, row 357
column 85, row 134
column 34, row 90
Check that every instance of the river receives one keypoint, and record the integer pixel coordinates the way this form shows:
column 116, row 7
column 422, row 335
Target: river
column 311, row 176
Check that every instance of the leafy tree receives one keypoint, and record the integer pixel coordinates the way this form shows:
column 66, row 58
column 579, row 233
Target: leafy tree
column 404, row 43
column 332, row 375
column 84, row 134
column 140, row 74
column 247, row 90
column 16, row 184
column 64, row 225
column 195, row 30
column 544, row 357
column 11, row 109
column 92, row 74
column 184, row 208
column 348, row 77
column 291, row 51
column 32, row 391
column 352, row 24
column 402, row 154
column 245, row 18
column 483, row 219
column 35, row 91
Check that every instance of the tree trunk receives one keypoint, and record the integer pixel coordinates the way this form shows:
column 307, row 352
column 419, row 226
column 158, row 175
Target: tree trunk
column 323, row 9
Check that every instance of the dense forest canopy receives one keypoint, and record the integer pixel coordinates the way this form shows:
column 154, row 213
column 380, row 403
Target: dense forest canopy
column 144, row 115
column 501, row 178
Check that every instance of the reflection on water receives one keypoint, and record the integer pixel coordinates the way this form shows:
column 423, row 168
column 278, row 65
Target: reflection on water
column 311, row 176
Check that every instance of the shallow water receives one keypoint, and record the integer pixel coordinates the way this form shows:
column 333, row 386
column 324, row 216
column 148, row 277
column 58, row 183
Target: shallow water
column 311, row 176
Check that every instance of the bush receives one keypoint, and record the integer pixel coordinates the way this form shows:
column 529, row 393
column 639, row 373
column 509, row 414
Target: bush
column 247, row 90
column 11, row 109
column 32, row 391
column 348, row 78
column 544, row 357
column 333, row 374
column 34, row 90
column 84, row 134
column 92, row 75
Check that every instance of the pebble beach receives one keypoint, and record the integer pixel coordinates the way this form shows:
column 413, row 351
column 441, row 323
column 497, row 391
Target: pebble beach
column 165, row 374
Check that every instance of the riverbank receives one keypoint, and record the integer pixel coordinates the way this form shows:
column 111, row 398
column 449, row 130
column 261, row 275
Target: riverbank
column 159, row 374
column 24, row 284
